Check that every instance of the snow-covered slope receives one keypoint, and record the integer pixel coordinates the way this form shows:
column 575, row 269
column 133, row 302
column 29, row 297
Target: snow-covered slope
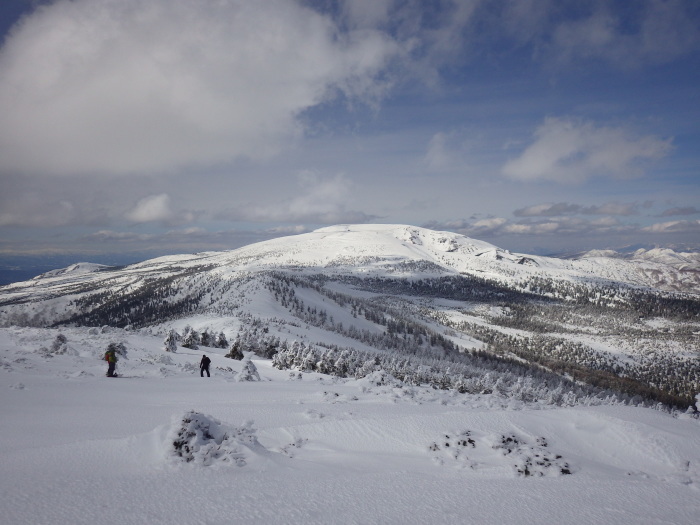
column 160, row 445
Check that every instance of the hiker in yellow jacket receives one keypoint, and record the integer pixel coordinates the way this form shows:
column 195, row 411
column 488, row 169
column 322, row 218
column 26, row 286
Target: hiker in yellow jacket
column 111, row 358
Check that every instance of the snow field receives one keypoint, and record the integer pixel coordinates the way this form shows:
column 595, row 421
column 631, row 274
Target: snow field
column 77, row 447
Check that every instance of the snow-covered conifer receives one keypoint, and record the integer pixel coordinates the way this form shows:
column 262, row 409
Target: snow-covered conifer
column 190, row 338
column 170, row 342
column 221, row 341
column 235, row 352
column 249, row 372
column 59, row 345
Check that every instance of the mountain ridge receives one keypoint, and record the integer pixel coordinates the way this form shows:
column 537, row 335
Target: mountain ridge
column 380, row 249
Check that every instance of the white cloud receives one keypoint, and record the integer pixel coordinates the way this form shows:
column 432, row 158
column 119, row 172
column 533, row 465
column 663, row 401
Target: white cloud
column 288, row 230
column 683, row 210
column 320, row 201
column 674, row 227
column 154, row 208
column 564, row 208
column 125, row 86
column 555, row 226
column 652, row 32
column 109, row 236
column 548, row 210
column 439, row 156
column 570, row 150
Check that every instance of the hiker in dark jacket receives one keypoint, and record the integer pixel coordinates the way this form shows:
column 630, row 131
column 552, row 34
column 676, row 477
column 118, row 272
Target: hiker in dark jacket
column 111, row 358
column 204, row 366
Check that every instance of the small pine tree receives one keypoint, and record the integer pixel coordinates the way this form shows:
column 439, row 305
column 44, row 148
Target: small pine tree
column 235, row 352
column 221, row 341
column 59, row 345
column 190, row 339
column 206, row 339
column 249, row 372
column 170, row 342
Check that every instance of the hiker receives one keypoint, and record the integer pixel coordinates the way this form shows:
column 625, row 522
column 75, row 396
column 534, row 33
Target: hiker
column 204, row 366
column 111, row 358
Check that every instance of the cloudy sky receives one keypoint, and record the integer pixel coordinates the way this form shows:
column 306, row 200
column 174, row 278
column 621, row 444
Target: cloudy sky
column 168, row 126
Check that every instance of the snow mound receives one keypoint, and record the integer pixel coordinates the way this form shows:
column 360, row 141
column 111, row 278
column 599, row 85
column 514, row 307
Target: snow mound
column 203, row 440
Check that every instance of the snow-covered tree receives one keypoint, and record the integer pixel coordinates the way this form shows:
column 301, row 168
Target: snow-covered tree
column 170, row 342
column 190, row 338
column 206, row 339
column 221, row 341
column 235, row 352
column 59, row 345
column 249, row 372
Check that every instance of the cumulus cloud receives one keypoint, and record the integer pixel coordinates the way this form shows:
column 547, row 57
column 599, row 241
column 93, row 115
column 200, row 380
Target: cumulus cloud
column 124, row 86
column 321, row 201
column 151, row 209
column 570, row 150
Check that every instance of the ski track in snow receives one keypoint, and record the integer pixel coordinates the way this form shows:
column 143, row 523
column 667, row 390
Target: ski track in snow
column 77, row 447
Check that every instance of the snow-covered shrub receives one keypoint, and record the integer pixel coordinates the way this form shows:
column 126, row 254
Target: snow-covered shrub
column 203, row 440
column 190, row 338
column 531, row 459
column 221, row 341
column 170, row 342
column 235, row 352
column 507, row 453
column 59, row 345
column 379, row 378
column 249, row 372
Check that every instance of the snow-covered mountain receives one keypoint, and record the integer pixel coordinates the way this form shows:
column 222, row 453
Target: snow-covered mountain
column 403, row 289
column 382, row 250
column 74, row 269
column 360, row 374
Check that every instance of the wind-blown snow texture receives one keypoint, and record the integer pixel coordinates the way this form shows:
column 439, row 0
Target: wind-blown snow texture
column 161, row 445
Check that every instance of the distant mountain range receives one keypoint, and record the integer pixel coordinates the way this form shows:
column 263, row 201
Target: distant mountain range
column 627, row 322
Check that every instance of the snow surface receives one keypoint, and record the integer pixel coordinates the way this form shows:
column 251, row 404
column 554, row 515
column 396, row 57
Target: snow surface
column 77, row 447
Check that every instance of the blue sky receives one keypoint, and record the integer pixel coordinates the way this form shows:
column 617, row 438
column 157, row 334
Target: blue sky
column 137, row 128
